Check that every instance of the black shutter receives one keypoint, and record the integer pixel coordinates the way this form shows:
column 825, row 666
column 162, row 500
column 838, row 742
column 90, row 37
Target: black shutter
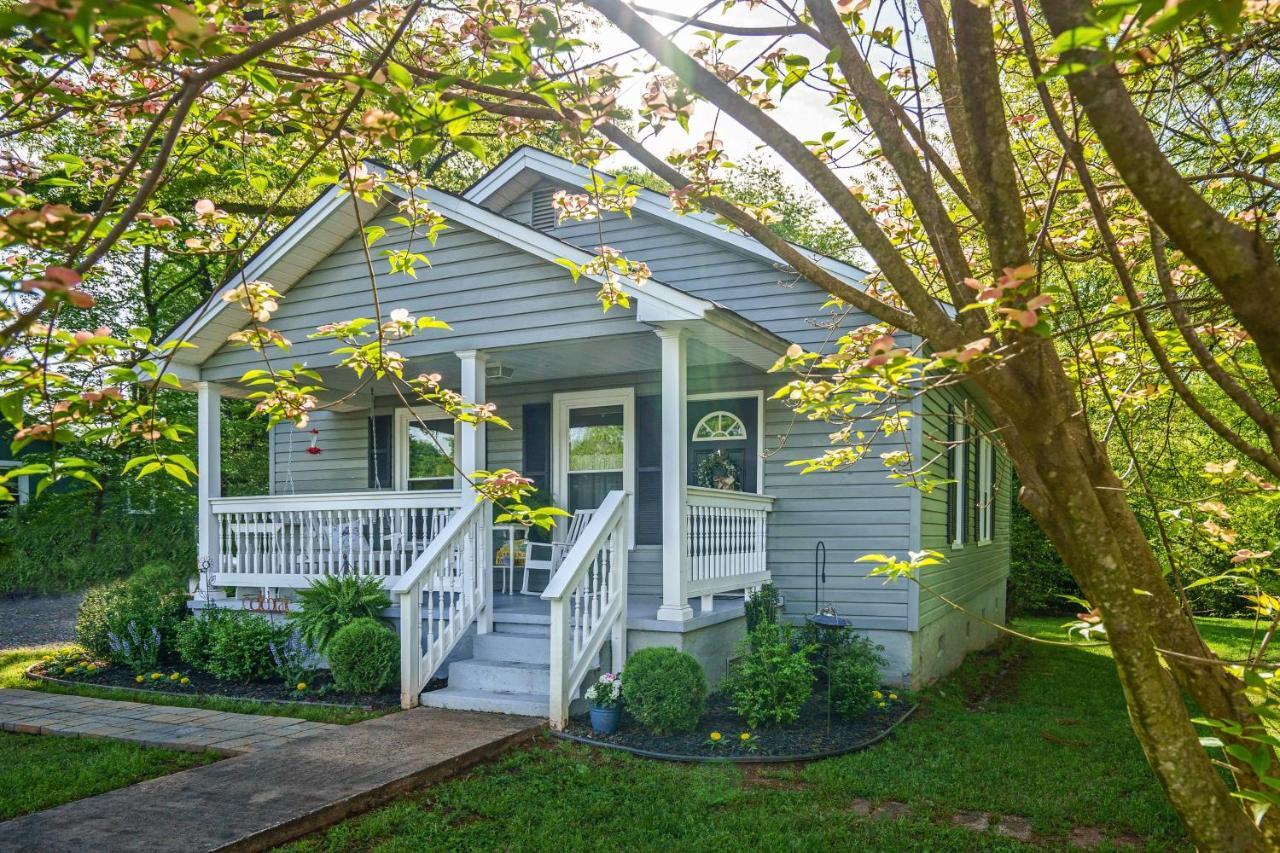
column 380, row 440
column 971, row 490
column 535, row 436
column 951, row 474
column 648, row 496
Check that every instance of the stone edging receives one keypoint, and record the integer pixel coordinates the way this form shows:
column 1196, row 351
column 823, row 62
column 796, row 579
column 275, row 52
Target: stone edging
column 137, row 691
column 740, row 759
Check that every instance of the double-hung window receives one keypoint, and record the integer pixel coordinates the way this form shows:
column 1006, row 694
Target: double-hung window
column 958, row 474
column 986, row 490
column 426, row 452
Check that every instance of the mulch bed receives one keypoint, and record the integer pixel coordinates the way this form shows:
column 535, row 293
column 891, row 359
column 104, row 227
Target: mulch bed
column 809, row 738
column 320, row 688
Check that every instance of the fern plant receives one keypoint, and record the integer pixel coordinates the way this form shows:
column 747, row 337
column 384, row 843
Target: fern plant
column 333, row 602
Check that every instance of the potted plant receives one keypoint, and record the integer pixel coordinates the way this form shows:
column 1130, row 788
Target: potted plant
column 605, row 698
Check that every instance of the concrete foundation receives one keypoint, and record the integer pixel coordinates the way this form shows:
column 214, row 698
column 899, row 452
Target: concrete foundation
column 941, row 645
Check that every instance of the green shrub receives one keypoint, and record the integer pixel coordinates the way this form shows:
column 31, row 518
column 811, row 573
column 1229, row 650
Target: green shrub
column 762, row 607
column 333, row 602
column 194, row 640
column 773, row 679
column 147, row 605
column 363, row 657
column 240, row 647
column 854, row 675
column 664, row 689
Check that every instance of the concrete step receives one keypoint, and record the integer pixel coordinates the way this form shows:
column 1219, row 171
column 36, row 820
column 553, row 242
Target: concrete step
column 493, row 676
column 526, row 704
column 528, row 623
column 516, row 646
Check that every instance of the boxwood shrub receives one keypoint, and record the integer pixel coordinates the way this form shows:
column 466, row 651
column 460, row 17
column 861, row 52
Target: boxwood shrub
column 363, row 656
column 664, row 689
column 151, row 600
column 854, row 676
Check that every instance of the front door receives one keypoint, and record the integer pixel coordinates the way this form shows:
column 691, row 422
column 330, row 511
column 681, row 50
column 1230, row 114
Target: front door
column 724, row 443
column 593, row 446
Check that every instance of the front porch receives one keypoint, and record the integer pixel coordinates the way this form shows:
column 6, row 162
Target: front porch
column 653, row 554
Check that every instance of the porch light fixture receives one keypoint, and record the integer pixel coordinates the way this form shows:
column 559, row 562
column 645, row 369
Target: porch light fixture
column 496, row 370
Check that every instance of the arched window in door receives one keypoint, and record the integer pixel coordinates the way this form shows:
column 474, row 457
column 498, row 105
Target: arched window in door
column 720, row 426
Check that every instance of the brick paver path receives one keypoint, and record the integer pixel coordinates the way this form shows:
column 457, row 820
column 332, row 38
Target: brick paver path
column 268, row 796
column 189, row 729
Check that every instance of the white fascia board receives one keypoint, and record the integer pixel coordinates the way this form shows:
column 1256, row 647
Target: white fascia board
column 266, row 257
column 649, row 202
column 655, row 299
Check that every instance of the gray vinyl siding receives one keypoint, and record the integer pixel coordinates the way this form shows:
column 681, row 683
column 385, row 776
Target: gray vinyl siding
column 974, row 568
column 489, row 292
column 342, row 465
column 854, row 512
column 776, row 299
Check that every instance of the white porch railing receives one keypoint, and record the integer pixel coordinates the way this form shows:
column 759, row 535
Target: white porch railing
column 588, row 596
column 289, row 540
column 444, row 591
column 726, row 547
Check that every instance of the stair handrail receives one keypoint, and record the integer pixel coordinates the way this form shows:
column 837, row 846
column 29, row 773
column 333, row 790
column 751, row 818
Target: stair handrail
column 588, row 598
column 450, row 570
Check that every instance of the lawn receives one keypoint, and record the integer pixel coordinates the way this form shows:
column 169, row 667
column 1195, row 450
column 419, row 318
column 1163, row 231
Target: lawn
column 1034, row 730
column 41, row 771
column 14, row 663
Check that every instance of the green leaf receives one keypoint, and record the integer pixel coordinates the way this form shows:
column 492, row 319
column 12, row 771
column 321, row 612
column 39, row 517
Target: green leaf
column 399, row 75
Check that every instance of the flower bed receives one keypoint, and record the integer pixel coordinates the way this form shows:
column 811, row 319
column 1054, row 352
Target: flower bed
column 319, row 691
column 813, row 735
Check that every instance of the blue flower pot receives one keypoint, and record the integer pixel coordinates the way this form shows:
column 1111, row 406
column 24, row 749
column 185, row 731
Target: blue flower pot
column 605, row 720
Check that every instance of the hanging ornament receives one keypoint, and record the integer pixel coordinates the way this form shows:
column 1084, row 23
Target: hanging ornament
column 314, row 449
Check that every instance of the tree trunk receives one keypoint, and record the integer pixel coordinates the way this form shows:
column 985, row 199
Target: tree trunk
column 1074, row 495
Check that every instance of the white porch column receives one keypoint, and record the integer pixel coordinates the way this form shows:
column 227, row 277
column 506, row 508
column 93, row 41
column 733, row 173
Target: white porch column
column 209, row 467
column 675, row 562
column 471, row 457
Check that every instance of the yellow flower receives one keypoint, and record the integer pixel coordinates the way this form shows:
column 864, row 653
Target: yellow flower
column 69, row 669
column 185, row 681
column 174, row 677
column 893, row 696
column 883, row 705
column 877, row 694
column 90, row 668
column 155, row 676
column 300, row 686
column 745, row 736
column 139, row 679
column 715, row 736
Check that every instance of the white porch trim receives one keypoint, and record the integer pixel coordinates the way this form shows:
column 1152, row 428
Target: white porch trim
column 560, row 406
column 209, row 470
column 675, row 466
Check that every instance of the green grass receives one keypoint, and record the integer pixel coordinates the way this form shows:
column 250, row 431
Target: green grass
column 40, row 771
column 14, row 663
column 1033, row 730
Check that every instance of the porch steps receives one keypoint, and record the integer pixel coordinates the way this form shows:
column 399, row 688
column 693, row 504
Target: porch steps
column 509, row 671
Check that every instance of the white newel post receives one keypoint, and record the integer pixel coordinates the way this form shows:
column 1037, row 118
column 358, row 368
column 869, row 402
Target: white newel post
column 675, row 568
column 209, row 466
column 472, row 457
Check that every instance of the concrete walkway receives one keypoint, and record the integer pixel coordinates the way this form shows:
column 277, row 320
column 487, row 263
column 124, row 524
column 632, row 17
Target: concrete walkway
column 191, row 729
column 263, row 798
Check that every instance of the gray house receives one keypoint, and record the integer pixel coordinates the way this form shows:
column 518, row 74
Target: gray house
column 654, row 425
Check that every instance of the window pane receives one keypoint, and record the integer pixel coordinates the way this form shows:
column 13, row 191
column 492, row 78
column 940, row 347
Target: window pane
column 595, row 439
column 431, row 451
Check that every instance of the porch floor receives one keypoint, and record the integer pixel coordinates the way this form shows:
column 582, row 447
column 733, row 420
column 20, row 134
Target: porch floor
column 642, row 611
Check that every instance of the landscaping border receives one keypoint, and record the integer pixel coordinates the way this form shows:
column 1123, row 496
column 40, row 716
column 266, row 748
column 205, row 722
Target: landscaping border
column 136, row 691
column 742, row 759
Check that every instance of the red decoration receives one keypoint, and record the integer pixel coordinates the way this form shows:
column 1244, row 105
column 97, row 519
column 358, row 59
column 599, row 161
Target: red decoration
column 314, row 449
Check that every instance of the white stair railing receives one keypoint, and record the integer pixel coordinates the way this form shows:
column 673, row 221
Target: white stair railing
column 588, row 596
column 441, row 594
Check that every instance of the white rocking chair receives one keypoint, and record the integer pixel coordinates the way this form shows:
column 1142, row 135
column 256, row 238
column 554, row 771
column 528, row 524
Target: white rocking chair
column 547, row 556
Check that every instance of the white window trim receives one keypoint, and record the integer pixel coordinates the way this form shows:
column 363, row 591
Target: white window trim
column 960, row 475
column 986, row 519
column 758, row 396
column 400, row 444
column 22, row 493
column 560, row 406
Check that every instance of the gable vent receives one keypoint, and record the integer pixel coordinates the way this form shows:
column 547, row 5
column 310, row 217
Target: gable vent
column 544, row 215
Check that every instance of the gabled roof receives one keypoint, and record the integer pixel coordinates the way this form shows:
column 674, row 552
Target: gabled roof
column 332, row 219
column 525, row 167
